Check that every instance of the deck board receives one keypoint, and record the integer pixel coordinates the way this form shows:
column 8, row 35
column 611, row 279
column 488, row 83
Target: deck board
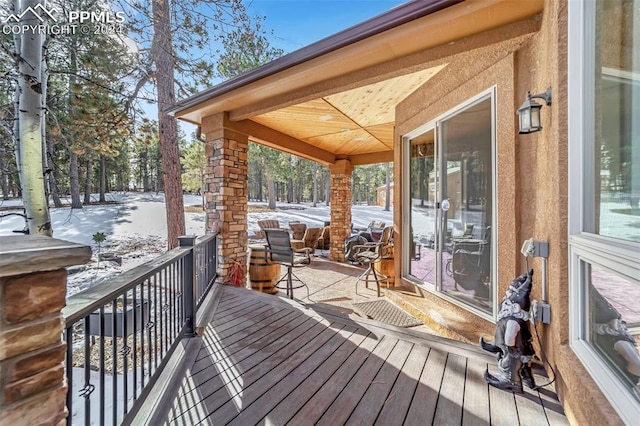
column 286, row 376
column 502, row 404
column 267, row 360
column 287, row 408
column 476, row 395
column 330, row 389
column 396, row 406
column 423, row 405
column 340, row 410
column 369, row 406
column 450, row 400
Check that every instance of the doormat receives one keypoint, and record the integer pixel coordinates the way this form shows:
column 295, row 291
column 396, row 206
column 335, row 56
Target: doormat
column 386, row 312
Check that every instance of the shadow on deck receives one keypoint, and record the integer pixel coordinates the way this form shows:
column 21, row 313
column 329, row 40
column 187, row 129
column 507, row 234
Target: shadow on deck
column 267, row 360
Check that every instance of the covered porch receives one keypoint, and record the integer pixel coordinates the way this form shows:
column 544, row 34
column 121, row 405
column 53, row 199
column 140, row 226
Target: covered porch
column 336, row 102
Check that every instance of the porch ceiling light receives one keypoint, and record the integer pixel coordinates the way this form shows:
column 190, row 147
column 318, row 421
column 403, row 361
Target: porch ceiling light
column 529, row 112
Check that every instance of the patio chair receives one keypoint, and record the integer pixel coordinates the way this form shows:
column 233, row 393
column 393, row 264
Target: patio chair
column 267, row 224
column 374, row 224
column 280, row 251
column 297, row 229
column 371, row 253
column 309, row 240
column 373, row 232
column 324, row 242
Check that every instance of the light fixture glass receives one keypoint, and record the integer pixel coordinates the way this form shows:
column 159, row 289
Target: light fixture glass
column 529, row 112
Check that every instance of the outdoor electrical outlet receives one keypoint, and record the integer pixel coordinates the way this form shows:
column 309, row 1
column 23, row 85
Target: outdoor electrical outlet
column 541, row 312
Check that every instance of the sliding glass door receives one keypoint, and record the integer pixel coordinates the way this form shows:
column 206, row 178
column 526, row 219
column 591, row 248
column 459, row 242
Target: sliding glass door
column 450, row 205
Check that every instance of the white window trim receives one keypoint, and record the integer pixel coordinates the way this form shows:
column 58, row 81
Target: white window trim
column 616, row 255
column 490, row 93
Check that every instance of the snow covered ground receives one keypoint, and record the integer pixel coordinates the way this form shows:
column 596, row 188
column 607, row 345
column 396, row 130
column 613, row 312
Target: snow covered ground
column 135, row 227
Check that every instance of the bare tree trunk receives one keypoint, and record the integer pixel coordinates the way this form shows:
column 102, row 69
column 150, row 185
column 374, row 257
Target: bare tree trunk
column 314, row 170
column 5, row 181
column 367, row 186
column 30, row 157
column 4, row 171
column 271, row 189
column 387, row 181
column 260, row 195
column 88, row 181
column 168, row 128
column 53, row 176
column 289, row 190
column 44, row 79
column 328, row 189
column 74, row 180
column 144, row 170
column 103, row 178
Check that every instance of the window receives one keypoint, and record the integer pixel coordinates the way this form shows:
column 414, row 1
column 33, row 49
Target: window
column 604, row 196
column 449, row 197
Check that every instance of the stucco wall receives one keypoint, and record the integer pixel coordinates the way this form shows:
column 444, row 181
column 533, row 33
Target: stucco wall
column 421, row 107
column 542, row 62
column 531, row 198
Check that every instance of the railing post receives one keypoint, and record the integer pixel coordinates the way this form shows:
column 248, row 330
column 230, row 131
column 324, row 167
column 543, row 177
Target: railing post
column 33, row 284
column 189, row 279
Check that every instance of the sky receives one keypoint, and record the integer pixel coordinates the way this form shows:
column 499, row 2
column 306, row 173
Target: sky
column 299, row 23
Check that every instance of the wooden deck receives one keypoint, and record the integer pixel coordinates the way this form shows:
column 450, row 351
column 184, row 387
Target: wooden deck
column 266, row 360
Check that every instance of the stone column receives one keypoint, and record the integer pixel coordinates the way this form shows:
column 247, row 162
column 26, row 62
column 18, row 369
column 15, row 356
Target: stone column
column 341, row 200
column 33, row 287
column 226, row 197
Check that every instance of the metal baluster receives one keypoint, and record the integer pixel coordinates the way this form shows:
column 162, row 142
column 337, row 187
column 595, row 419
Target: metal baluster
column 69, row 364
column 172, row 317
column 143, row 329
column 150, row 326
column 163, row 313
column 135, row 340
column 102, row 380
column 87, row 389
column 156, row 320
column 114, row 360
column 180, row 317
column 125, row 353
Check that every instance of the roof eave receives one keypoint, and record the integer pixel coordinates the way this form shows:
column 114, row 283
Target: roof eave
column 395, row 17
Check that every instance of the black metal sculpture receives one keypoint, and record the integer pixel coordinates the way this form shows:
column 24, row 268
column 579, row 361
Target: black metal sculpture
column 513, row 345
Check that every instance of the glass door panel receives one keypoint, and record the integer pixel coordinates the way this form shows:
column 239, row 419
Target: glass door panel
column 422, row 214
column 466, row 200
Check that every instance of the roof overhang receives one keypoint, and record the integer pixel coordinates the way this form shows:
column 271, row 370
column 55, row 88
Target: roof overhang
column 345, row 88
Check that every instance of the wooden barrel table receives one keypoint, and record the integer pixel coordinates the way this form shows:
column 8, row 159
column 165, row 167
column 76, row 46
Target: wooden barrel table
column 262, row 273
column 385, row 266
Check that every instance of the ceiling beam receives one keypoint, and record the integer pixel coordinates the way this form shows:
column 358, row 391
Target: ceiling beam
column 371, row 158
column 274, row 139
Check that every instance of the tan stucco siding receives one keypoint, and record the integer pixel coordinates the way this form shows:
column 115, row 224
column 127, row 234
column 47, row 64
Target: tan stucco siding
column 532, row 196
column 421, row 107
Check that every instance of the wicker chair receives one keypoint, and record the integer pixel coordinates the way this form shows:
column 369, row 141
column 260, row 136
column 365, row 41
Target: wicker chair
column 324, row 242
column 309, row 240
column 297, row 230
column 267, row 224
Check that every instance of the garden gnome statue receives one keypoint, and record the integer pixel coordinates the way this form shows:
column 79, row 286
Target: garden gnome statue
column 513, row 338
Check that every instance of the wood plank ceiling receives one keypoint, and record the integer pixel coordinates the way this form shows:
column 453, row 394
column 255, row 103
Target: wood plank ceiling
column 353, row 122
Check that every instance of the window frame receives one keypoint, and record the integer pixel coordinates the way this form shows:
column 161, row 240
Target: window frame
column 607, row 252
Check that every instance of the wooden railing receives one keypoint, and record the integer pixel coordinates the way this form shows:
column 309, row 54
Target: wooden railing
column 120, row 334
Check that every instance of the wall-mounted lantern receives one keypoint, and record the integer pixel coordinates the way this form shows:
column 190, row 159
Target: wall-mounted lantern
column 529, row 112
